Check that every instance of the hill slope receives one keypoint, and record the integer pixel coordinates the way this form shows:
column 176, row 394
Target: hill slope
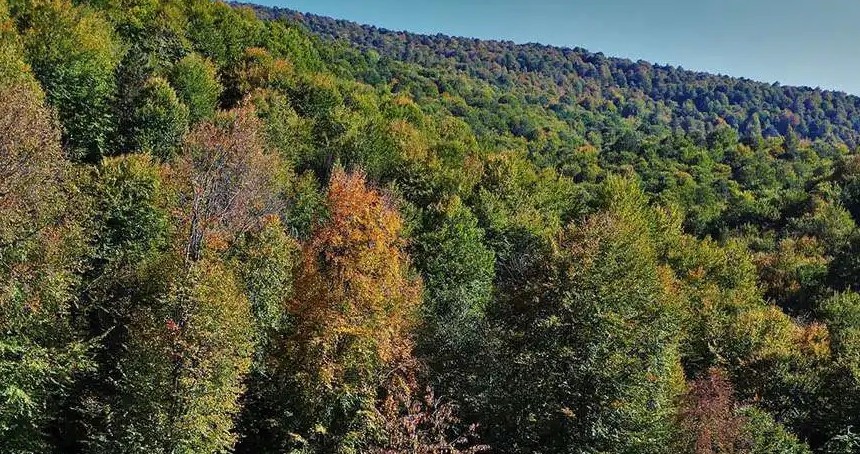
column 226, row 234
column 663, row 96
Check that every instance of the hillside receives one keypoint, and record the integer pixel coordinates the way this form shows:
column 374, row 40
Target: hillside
column 656, row 96
column 221, row 233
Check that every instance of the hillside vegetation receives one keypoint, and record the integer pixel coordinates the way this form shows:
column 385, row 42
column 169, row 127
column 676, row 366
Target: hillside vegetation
column 223, row 231
column 652, row 97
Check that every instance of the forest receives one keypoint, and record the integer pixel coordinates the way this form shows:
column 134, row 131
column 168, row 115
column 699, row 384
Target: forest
column 656, row 97
column 229, row 228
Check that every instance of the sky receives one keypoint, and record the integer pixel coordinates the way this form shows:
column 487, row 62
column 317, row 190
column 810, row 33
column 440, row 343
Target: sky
column 795, row 42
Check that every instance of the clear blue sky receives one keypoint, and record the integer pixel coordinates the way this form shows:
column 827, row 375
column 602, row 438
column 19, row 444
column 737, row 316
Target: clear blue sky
column 795, row 42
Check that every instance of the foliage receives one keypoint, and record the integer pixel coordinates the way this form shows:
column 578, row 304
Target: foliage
column 575, row 79
column 224, row 179
column 223, row 231
column 764, row 435
column 603, row 333
column 709, row 419
column 188, row 351
column 41, row 247
column 354, row 304
column 458, row 270
column 74, row 53
column 196, row 83
column 161, row 120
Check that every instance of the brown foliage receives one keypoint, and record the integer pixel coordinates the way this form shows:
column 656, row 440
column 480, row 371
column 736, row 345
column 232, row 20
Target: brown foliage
column 31, row 166
column 708, row 418
column 226, row 180
column 415, row 420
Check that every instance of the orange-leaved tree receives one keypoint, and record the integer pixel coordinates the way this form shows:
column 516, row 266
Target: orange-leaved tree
column 354, row 305
column 355, row 301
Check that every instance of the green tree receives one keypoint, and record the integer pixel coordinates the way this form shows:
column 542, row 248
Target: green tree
column 753, row 130
column 42, row 243
column 458, row 271
column 196, row 82
column 265, row 260
column 221, row 32
column 763, row 435
column 190, row 344
column 74, row 53
column 159, row 121
column 592, row 363
column 841, row 313
column 131, row 227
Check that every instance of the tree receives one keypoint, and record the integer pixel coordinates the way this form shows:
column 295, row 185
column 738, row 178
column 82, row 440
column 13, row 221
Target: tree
column 841, row 313
column 159, row 121
column 842, row 316
column 41, row 248
column 713, row 421
column 189, row 325
column 225, row 180
column 196, row 82
column 221, row 32
column 130, row 228
column 753, row 131
column 603, row 335
column 458, row 271
column 762, row 434
column 792, row 141
column 709, row 420
column 189, row 347
column 266, row 260
column 13, row 68
column 354, row 306
column 74, row 54
column 257, row 69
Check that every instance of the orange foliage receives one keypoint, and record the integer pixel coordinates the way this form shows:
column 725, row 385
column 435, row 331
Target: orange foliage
column 258, row 69
column 354, row 302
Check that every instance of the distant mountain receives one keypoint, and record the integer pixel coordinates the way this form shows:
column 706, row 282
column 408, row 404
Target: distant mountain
column 659, row 96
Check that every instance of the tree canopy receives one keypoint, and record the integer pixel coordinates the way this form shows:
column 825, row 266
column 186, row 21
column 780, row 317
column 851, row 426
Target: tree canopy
column 237, row 229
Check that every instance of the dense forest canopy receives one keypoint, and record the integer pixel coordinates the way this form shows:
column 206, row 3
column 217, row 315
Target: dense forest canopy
column 654, row 96
column 223, row 231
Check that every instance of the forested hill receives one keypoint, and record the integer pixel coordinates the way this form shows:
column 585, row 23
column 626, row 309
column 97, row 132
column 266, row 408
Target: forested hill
column 226, row 234
column 658, row 96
